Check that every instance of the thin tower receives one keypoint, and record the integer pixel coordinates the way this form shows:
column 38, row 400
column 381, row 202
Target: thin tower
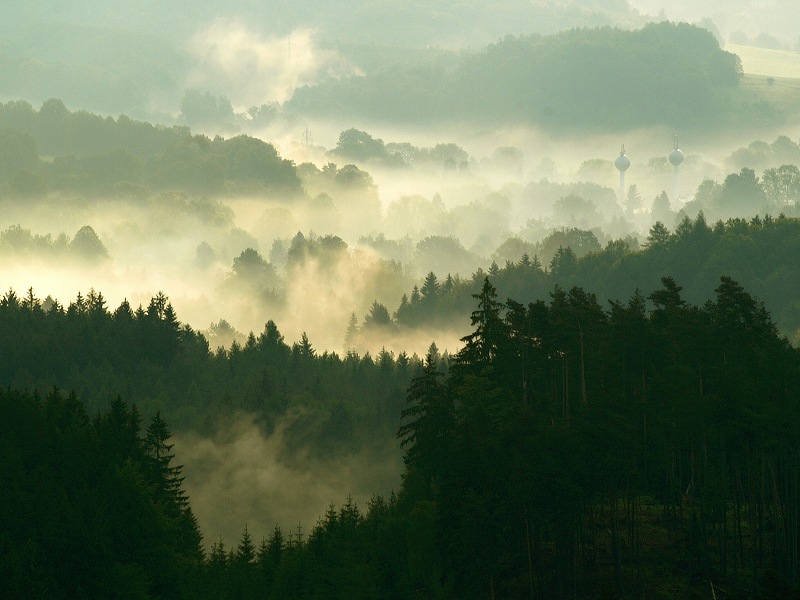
column 675, row 158
column 622, row 163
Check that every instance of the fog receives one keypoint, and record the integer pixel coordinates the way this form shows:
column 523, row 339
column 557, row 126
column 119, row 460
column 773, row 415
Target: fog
column 250, row 68
column 186, row 245
column 371, row 218
column 751, row 17
column 242, row 477
column 142, row 60
column 511, row 184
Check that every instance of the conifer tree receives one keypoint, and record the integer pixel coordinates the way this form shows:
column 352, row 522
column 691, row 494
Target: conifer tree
column 481, row 346
column 351, row 333
column 430, row 289
column 427, row 421
column 305, row 347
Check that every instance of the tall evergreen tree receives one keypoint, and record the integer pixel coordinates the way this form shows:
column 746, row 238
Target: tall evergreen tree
column 481, row 346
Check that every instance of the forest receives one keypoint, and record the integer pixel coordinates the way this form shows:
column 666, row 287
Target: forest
column 570, row 66
column 545, row 80
column 137, row 59
column 760, row 253
column 565, row 451
column 405, row 299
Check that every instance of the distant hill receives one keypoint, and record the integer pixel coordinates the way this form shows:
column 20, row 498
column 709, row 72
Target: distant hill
column 137, row 58
column 444, row 58
column 601, row 78
column 775, row 17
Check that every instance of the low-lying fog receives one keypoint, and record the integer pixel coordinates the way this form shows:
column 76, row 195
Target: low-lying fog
column 509, row 184
column 236, row 478
column 359, row 235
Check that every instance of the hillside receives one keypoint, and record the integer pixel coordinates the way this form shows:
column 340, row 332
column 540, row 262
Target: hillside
column 600, row 79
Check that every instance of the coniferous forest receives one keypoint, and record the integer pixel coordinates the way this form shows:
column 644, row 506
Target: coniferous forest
column 400, row 300
column 565, row 451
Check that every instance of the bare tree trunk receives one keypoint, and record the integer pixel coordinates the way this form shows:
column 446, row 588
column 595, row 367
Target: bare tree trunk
column 737, row 547
column 566, row 386
column 752, row 507
column 530, row 558
column 615, row 545
column 583, row 369
column 793, row 512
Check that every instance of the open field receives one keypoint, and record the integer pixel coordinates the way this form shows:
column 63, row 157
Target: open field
column 781, row 92
column 768, row 95
column 767, row 62
column 769, row 101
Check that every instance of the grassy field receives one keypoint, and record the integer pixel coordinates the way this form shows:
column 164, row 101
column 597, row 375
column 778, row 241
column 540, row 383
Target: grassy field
column 783, row 93
column 769, row 63
column 768, row 95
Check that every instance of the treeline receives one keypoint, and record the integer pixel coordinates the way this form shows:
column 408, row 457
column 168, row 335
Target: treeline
column 84, row 246
column 573, row 452
column 90, row 154
column 761, row 155
column 119, row 59
column 347, row 554
column 92, row 507
column 760, row 253
column 577, row 452
column 583, row 78
column 358, row 145
column 328, row 403
column 566, row 451
column 57, row 131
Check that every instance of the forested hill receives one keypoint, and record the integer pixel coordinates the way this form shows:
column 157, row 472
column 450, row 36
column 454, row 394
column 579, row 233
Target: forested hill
column 91, row 507
column 568, row 452
column 577, row 452
column 603, row 78
column 760, row 253
column 329, row 404
column 138, row 58
column 79, row 153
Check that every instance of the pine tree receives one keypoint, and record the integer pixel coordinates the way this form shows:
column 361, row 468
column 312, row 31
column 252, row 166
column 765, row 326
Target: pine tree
column 305, row 348
column 245, row 551
column 156, row 444
column 402, row 313
column 659, row 236
column 351, row 334
column 123, row 313
column 378, row 316
column 449, row 284
column 564, row 264
column 428, row 420
column 10, row 300
column 430, row 290
column 481, row 346
column 633, row 199
column 168, row 483
column 31, row 302
column 158, row 306
column 275, row 547
column 217, row 571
